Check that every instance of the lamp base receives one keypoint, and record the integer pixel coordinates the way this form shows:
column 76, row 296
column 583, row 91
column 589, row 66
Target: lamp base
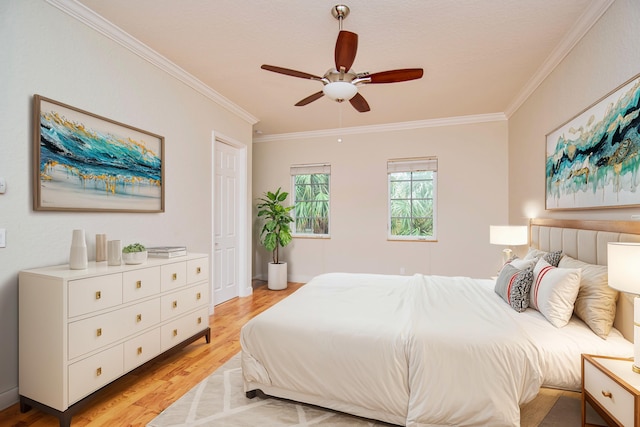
column 506, row 255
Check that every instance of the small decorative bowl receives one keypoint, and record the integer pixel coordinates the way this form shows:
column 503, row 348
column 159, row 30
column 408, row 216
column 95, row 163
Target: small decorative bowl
column 134, row 257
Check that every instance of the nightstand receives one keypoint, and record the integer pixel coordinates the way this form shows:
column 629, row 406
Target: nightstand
column 612, row 389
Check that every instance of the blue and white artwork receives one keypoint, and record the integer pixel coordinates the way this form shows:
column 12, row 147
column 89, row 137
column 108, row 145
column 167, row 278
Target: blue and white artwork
column 90, row 163
column 593, row 160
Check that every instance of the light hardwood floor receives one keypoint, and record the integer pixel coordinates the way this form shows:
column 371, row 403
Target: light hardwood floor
column 141, row 395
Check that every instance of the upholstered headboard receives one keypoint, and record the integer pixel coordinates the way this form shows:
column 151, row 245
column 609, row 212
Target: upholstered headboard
column 587, row 241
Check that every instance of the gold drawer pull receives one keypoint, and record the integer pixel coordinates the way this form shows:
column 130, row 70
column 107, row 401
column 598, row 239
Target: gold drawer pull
column 139, row 350
column 174, row 276
column 198, row 296
column 139, row 318
column 138, row 284
column 199, row 320
column 98, row 294
column 98, row 372
column 607, row 394
column 99, row 332
column 175, row 332
column 175, row 304
column 198, row 270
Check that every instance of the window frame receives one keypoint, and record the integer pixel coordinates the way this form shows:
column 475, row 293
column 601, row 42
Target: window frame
column 310, row 169
column 417, row 164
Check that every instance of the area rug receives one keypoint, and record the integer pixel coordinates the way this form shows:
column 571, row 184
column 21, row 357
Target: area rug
column 219, row 401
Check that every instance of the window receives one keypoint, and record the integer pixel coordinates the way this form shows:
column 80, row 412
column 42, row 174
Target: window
column 311, row 199
column 412, row 198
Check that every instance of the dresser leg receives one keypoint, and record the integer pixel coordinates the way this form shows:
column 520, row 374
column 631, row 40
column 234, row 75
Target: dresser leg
column 24, row 406
column 65, row 419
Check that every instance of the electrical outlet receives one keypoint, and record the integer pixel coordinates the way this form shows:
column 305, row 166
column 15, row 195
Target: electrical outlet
column 3, row 238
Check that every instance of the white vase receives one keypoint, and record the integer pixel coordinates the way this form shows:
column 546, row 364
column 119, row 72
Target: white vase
column 114, row 252
column 277, row 279
column 78, row 259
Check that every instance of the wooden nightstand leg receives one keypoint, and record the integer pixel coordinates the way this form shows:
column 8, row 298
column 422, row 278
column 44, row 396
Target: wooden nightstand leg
column 583, row 407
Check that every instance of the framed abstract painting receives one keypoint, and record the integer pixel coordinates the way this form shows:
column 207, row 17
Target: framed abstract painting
column 84, row 162
column 593, row 160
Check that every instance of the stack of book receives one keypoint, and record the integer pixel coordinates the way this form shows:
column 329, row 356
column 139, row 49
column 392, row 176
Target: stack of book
column 166, row 251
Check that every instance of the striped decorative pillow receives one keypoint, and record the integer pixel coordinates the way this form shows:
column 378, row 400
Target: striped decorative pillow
column 554, row 291
column 513, row 286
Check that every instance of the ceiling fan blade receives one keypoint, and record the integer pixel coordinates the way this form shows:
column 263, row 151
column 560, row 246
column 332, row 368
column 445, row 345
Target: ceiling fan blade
column 359, row 103
column 309, row 99
column 346, row 48
column 289, row 72
column 395, row 76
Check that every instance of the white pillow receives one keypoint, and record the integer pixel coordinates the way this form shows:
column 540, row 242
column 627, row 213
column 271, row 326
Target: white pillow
column 552, row 257
column 554, row 291
column 522, row 264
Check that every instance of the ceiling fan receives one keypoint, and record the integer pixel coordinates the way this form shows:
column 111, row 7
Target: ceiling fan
column 341, row 83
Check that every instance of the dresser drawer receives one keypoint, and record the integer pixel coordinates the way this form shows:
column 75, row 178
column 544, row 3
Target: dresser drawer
column 197, row 270
column 90, row 334
column 94, row 293
column 609, row 394
column 141, row 283
column 141, row 349
column 88, row 375
column 178, row 330
column 173, row 276
column 180, row 302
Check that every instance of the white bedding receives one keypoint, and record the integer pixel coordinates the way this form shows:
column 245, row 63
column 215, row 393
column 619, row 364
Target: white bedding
column 415, row 351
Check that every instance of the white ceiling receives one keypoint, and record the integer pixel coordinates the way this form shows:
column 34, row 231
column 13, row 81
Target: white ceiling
column 479, row 56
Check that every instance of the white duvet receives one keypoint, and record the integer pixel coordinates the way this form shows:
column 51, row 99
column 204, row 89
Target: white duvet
column 415, row 351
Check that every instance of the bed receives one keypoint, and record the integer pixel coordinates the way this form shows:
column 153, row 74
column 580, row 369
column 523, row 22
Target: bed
column 433, row 350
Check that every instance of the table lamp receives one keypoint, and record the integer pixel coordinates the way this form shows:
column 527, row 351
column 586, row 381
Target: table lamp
column 508, row 235
column 624, row 275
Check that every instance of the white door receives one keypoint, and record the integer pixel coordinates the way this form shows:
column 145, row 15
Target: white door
column 226, row 222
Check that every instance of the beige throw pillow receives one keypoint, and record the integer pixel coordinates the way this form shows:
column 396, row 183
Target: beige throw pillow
column 596, row 301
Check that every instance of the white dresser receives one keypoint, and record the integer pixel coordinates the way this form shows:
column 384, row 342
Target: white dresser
column 79, row 330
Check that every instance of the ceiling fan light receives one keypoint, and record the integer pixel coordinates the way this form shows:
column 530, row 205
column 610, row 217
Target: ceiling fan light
column 340, row 91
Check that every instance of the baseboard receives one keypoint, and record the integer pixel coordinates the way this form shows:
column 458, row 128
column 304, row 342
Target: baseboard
column 9, row 398
column 293, row 279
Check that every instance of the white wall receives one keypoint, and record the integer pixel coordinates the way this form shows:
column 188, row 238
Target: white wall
column 605, row 58
column 472, row 189
column 45, row 51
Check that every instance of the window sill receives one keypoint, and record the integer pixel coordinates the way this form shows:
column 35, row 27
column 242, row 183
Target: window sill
column 411, row 239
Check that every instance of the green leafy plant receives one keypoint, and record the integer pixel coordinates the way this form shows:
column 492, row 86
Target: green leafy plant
column 134, row 247
column 275, row 232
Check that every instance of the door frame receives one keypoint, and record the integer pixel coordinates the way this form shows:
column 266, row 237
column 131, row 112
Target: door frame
column 244, row 282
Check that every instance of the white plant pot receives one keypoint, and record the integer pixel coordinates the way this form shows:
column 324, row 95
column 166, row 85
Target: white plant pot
column 277, row 276
column 134, row 257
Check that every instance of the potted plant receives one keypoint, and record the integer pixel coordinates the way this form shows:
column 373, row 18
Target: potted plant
column 134, row 253
column 275, row 234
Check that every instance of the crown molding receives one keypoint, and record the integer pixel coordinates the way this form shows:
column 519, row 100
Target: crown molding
column 390, row 127
column 88, row 17
column 589, row 17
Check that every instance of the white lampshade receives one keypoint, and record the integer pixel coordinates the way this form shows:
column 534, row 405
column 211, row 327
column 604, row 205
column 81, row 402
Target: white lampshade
column 510, row 235
column 340, row 91
column 624, row 266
